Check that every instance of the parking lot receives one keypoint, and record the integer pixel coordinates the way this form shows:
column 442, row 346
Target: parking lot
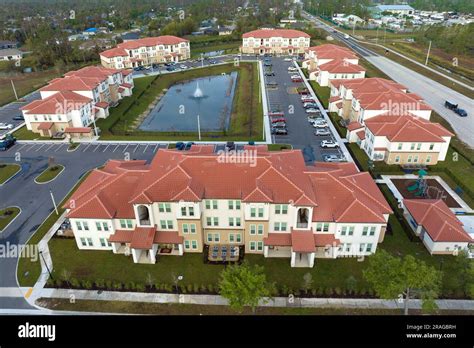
column 286, row 98
column 9, row 111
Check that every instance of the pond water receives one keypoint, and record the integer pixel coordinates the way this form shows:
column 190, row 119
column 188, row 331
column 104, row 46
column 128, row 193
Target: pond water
column 210, row 97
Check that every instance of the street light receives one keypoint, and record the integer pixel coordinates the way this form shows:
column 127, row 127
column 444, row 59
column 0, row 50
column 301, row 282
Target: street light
column 199, row 128
column 41, row 253
column 177, row 279
column 54, row 202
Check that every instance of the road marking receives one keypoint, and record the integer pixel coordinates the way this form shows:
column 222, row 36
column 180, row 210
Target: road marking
column 116, row 148
column 125, row 148
column 29, row 292
column 156, row 146
column 39, row 148
column 106, row 148
column 60, row 146
column 138, row 145
column 50, row 147
column 22, row 146
column 96, row 147
column 146, row 147
column 86, row 147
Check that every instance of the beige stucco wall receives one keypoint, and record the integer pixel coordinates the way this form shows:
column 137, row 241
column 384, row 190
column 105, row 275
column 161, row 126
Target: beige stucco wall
column 390, row 159
column 198, row 236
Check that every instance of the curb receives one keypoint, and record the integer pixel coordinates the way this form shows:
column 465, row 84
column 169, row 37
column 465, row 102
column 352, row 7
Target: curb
column 47, row 182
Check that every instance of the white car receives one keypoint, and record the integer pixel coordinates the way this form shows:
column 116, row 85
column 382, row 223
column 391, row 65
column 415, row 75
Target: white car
column 307, row 99
column 320, row 125
column 292, row 68
column 322, row 132
column 333, row 158
column 183, row 67
column 6, row 126
column 329, row 144
column 295, row 77
column 287, row 59
column 312, row 111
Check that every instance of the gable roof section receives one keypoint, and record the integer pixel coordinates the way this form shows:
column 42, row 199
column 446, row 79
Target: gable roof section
column 58, row 103
column 268, row 33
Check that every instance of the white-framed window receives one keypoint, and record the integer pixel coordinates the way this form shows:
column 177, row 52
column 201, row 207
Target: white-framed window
column 260, row 229
column 253, row 212
column 217, row 237
column 260, row 212
column 372, row 231
column 209, row 237
column 322, row 227
column 185, row 229
column 192, row 228
column 252, row 246
column 89, row 242
column 361, row 247
column 186, row 244
column 194, row 245
column 164, row 207
column 280, row 226
column 368, row 248
column 83, row 241
column 431, row 146
column 253, row 229
column 428, row 159
column 103, row 242
column 281, row 209
column 125, row 223
column 215, row 221
column 397, row 159
column 259, row 246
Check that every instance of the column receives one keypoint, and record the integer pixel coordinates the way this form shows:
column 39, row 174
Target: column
column 311, row 259
column 293, row 259
column 136, row 255
column 180, row 249
column 265, row 250
column 115, row 246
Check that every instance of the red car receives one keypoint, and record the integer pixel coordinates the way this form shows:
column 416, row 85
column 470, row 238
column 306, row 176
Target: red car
column 276, row 113
column 277, row 119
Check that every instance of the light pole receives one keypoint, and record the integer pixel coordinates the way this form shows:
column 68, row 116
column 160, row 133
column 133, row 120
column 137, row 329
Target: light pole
column 54, row 202
column 199, row 128
column 428, row 54
column 14, row 90
column 178, row 278
column 41, row 253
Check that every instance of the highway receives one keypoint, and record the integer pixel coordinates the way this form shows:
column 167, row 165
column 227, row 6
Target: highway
column 434, row 93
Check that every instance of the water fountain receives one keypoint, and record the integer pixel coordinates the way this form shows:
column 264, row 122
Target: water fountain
column 198, row 92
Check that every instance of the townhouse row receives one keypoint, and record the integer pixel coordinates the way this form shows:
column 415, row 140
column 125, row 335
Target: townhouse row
column 189, row 202
column 71, row 104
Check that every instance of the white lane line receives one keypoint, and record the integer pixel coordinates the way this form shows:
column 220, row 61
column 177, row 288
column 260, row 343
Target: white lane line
column 138, row 145
column 116, row 148
column 60, row 146
column 22, row 146
column 106, row 148
column 50, row 147
column 156, row 146
column 39, row 148
column 96, row 147
column 86, row 147
column 125, row 148
column 146, row 147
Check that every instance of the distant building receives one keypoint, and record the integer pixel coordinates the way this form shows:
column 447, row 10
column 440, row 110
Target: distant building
column 275, row 41
column 223, row 31
column 130, row 36
column 90, row 31
column 404, row 10
column 11, row 54
column 4, row 44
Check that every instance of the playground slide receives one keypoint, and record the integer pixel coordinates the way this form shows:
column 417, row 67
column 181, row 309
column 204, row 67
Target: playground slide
column 413, row 187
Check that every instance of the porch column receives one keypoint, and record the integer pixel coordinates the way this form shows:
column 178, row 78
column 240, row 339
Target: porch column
column 265, row 251
column 293, row 259
column 311, row 259
column 136, row 255
column 152, row 253
column 115, row 247
column 180, row 249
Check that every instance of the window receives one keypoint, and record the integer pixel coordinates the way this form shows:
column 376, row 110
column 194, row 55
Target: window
column 415, row 159
column 343, row 230
column 260, row 212
column 238, row 222
column 281, row 209
column 78, row 225
column 348, row 247
column 209, row 237
column 351, row 231
column 183, row 211
column 365, row 230
column 409, row 159
column 102, row 242
column 217, row 237
column 237, row 205
column 253, row 229
column 253, row 212
column 194, row 244
column 192, row 228
column 129, row 223
column 372, row 231
column 428, row 159
column 99, row 226
column 431, row 146
column 259, row 246
column 214, row 205
column 185, row 228
column 418, row 146
column 163, row 224
column 400, row 145
column 164, row 207
column 186, row 244
column 191, row 211
column 322, row 227
column 216, row 221
column 105, row 225
column 231, row 238
column 85, row 224
column 231, row 222
column 89, row 242
column 397, row 159
column 412, row 146
column 231, row 205
column 208, row 204
column 238, row 238
column 170, row 224
column 368, row 248
column 209, row 221
column 361, row 247
column 83, row 242
column 280, row 226
column 252, row 246
column 260, row 229
column 123, row 224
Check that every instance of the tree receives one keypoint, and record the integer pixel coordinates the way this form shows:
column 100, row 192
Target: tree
column 307, row 282
column 393, row 277
column 465, row 266
column 244, row 285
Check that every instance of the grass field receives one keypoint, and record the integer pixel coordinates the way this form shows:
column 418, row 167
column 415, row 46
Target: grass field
column 228, row 48
column 188, row 309
column 7, row 215
column 7, row 170
column 49, row 174
column 246, row 118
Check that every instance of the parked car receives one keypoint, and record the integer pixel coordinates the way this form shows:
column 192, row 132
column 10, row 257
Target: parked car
column 303, row 90
column 183, row 67
column 333, row 158
column 307, row 99
column 312, row 111
column 267, row 64
column 320, row 125
column 279, row 125
column 230, row 146
column 292, row 68
column 295, row 76
column 322, row 132
column 6, row 126
column 212, row 62
column 310, row 105
column 18, row 118
column 287, row 59
column 279, row 131
column 171, row 68
column 276, row 113
column 329, row 144
column 7, row 142
column 450, row 105
column 299, row 79
column 188, row 145
column 277, row 119
column 269, row 73
column 180, row 145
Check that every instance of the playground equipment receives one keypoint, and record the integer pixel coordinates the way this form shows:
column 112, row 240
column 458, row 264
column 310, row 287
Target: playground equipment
column 420, row 187
column 432, row 192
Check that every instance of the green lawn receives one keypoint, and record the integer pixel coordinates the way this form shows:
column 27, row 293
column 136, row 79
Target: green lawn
column 194, row 309
column 323, row 93
column 49, row 174
column 228, row 48
column 7, row 170
column 7, row 215
column 24, row 134
column 246, row 118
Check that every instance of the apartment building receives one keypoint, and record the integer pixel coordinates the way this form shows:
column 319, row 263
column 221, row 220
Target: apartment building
column 401, row 139
column 330, row 62
column 71, row 104
column 146, row 51
column 186, row 202
column 275, row 41
column 440, row 230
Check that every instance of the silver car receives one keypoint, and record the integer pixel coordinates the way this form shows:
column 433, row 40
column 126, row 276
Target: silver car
column 322, row 132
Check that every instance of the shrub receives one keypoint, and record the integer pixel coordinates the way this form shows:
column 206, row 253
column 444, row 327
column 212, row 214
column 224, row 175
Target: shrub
column 100, row 283
column 50, row 282
column 140, row 287
column 314, row 292
column 86, row 284
column 328, row 291
column 58, row 283
column 210, row 288
column 117, row 286
column 196, row 288
column 109, row 284
column 74, row 283
column 131, row 286
column 182, row 289
column 203, row 288
column 320, row 291
column 337, row 291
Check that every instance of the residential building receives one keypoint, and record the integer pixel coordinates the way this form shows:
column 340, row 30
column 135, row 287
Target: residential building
column 4, row 44
column 402, row 140
column 275, row 41
column 404, row 10
column 330, row 62
column 437, row 226
column 10, row 54
column 146, row 51
column 186, row 202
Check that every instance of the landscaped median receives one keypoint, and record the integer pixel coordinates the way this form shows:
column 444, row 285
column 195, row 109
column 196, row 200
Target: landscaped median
column 49, row 174
column 7, row 216
column 246, row 122
column 8, row 171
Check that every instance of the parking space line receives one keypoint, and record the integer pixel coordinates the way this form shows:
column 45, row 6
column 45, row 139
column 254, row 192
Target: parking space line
column 60, row 146
column 106, row 148
column 50, row 147
column 146, row 147
column 138, row 145
column 85, row 149
column 22, row 146
column 39, row 148
column 125, row 148
column 156, row 146
column 116, row 147
column 96, row 147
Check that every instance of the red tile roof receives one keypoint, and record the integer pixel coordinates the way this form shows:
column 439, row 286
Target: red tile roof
column 340, row 66
column 268, row 33
column 168, row 237
column 121, row 236
column 361, row 134
column 278, row 177
column 102, row 105
column 114, row 52
column 142, row 238
column 93, row 71
column 58, row 103
column 120, row 50
column 325, row 239
column 437, row 219
column 126, row 85
column 73, row 83
column 407, row 129
column 354, row 125
column 396, row 102
column 278, row 239
column 45, row 125
column 302, row 241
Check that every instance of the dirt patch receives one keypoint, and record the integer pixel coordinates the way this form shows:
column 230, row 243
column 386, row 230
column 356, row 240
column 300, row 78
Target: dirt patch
column 434, row 191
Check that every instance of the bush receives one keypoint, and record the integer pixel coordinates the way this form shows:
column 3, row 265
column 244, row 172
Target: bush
column 100, row 283
column 314, row 292
column 211, row 288
column 140, row 287
column 74, row 283
column 328, row 291
column 86, row 284
column 320, row 291
column 337, row 291
column 131, row 286
column 196, row 288
column 59, row 283
column 109, row 284
column 203, row 288
column 50, row 282
column 117, row 286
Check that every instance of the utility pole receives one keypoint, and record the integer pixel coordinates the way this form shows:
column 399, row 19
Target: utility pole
column 353, row 28
column 14, row 90
column 54, row 202
column 428, row 54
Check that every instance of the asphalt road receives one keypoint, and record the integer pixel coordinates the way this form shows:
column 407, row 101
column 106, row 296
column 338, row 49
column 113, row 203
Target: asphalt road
column 285, row 98
column 35, row 200
column 8, row 111
column 434, row 93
